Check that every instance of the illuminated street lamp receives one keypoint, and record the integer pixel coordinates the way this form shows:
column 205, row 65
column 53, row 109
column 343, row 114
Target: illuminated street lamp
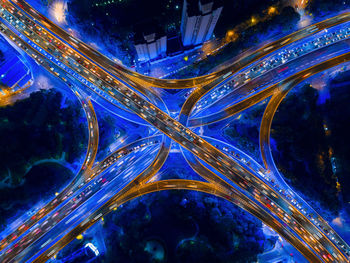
column 272, row 10
column 231, row 35
column 253, row 20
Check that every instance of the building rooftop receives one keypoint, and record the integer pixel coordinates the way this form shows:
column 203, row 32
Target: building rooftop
column 147, row 29
column 193, row 6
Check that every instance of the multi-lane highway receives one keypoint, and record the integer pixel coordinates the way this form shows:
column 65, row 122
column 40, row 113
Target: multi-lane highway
column 86, row 166
column 180, row 83
column 93, row 134
column 71, row 60
column 281, row 59
column 97, row 181
column 288, row 83
column 226, row 106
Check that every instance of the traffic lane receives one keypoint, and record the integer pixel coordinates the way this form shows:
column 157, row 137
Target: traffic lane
column 180, row 118
column 217, row 110
column 54, row 45
column 85, row 200
column 201, row 92
column 266, row 150
column 187, row 82
column 69, row 191
column 73, row 203
column 214, row 160
column 283, row 204
column 110, row 65
column 217, row 180
column 265, row 127
column 39, row 35
column 279, row 72
column 214, row 164
column 212, row 178
column 186, row 185
column 260, row 95
column 92, row 129
column 40, row 214
column 86, row 220
column 27, row 226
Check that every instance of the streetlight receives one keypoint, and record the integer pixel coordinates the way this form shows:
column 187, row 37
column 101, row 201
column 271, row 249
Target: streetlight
column 230, row 33
column 271, row 10
column 253, row 20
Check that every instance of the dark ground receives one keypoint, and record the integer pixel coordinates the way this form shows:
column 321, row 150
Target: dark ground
column 37, row 128
column 310, row 137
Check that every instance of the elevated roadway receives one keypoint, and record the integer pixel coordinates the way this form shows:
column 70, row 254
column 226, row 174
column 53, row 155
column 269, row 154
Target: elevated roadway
column 131, row 76
column 255, row 188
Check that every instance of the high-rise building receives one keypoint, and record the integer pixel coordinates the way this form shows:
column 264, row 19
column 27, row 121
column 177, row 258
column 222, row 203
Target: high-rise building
column 150, row 43
column 199, row 18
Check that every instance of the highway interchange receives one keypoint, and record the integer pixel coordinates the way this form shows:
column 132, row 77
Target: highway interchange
column 96, row 190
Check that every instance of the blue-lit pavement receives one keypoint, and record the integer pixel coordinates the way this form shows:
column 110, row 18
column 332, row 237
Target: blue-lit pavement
column 96, row 193
column 227, row 106
column 279, row 59
column 258, row 194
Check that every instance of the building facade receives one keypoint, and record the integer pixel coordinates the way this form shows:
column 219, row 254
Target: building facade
column 199, row 18
column 150, row 46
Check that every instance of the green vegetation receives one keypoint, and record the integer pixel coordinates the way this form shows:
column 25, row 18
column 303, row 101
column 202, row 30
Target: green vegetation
column 282, row 23
column 113, row 22
column 109, row 131
column 190, row 227
column 338, row 116
column 38, row 136
column 238, row 11
column 321, row 8
column 303, row 148
column 118, row 18
column 313, row 143
column 243, row 132
column 40, row 183
column 37, row 128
